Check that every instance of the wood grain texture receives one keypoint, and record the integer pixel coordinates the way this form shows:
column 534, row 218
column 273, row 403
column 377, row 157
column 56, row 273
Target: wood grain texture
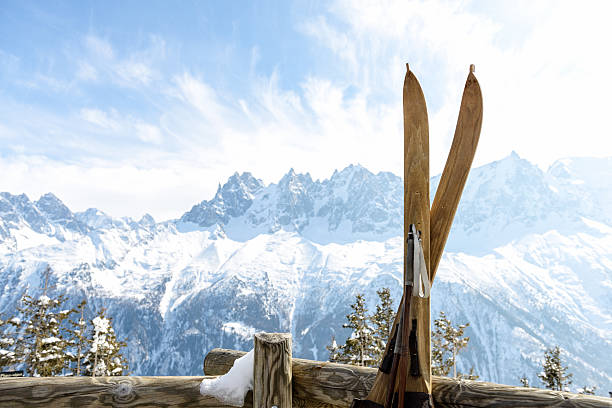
column 332, row 383
column 455, row 393
column 416, row 211
column 219, row 361
column 339, row 384
column 117, row 392
column 456, row 169
column 329, row 383
column 104, row 392
column 272, row 371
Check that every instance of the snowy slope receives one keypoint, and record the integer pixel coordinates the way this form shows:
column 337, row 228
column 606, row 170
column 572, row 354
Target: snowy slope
column 528, row 264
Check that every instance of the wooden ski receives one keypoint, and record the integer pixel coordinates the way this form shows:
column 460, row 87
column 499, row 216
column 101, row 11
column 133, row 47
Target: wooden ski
column 416, row 211
column 446, row 201
column 417, row 371
column 456, row 169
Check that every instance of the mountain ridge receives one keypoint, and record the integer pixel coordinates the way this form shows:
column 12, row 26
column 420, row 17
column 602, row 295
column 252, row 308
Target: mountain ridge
column 290, row 256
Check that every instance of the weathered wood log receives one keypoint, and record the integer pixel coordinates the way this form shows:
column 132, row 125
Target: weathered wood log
column 330, row 383
column 272, row 370
column 116, row 392
column 339, row 384
column 106, row 392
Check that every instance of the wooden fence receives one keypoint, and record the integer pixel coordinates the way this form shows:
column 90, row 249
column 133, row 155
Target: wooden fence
column 279, row 380
column 318, row 384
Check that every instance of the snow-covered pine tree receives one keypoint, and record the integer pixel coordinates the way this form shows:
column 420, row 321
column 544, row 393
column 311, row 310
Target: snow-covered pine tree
column 524, row 381
column 468, row 376
column 104, row 357
column 43, row 348
column 554, row 375
column 446, row 342
column 334, row 351
column 78, row 339
column 586, row 390
column 358, row 349
column 382, row 321
column 8, row 339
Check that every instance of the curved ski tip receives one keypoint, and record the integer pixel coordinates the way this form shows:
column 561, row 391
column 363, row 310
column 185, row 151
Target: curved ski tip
column 472, row 68
column 407, row 67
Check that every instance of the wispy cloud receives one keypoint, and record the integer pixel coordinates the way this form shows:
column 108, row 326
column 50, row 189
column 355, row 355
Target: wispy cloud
column 99, row 47
column 203, row 98
column 120, row 190
column 175, row 128
column 131, row 71
column 86, row 71
column 148, row 133
column 127, row 129
column 8, row 62
column 134, row 72
column 540, row 91
column 99, row 118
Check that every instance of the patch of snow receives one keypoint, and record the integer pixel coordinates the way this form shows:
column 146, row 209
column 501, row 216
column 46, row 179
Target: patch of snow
column 232, row 387
column 238, row 329
column 26, row 239
column 49, row 357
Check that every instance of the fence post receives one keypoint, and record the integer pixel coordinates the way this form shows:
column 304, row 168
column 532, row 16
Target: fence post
column 272, row 371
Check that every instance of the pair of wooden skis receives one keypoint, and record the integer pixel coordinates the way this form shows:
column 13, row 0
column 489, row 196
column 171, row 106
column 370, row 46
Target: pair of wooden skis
column 404, row 377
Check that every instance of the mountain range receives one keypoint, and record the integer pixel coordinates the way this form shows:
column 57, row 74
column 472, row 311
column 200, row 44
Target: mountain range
column 528, row 264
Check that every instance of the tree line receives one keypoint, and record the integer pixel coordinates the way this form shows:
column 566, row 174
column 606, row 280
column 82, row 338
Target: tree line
column 45, row 339
column 366, row 344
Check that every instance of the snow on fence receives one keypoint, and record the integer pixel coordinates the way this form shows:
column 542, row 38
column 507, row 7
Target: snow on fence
column 279, row 381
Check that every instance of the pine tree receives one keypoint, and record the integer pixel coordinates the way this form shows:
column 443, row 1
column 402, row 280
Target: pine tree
column 334, row 351
column 366, row 344
column 524, row 381
column 382, row 321
column 104, row 356
column 78, row 340
column 554, row 374
column 43, row 347
column 447, row 341
column 358, row 349
column 468, row 376
column 8, row 335
column 586, row 390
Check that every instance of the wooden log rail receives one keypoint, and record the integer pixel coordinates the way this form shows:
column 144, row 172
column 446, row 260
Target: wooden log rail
column 105, row 392
column 314, row 384
column 329, row 384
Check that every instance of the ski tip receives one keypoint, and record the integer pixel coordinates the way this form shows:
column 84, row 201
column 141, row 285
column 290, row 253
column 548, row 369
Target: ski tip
column 407, row 67
column 472, row 68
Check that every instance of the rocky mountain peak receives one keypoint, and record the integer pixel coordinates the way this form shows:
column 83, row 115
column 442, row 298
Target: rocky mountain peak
column 231, row 200
column 346, row 174
column 15, row 202
column 295, row 183
column 244, row 182
column 53, row 208
column 147, row 219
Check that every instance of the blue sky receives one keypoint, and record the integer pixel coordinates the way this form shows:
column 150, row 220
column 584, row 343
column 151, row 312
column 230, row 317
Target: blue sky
column 137, row 107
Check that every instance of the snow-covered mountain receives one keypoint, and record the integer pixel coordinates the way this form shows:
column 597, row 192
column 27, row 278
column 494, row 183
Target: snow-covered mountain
column 528, row 264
